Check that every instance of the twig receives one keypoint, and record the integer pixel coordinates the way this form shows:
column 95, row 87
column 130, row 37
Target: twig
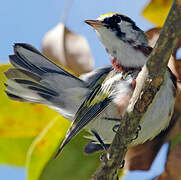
column 65, row 11
column 144, row 94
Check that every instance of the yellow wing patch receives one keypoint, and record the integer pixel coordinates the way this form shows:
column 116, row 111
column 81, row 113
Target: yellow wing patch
column 100, row 96
column 103, row 92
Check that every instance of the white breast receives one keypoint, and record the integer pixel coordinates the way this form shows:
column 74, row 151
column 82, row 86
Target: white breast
column 159, row 114
column 100, row 123
column 125, row 54
column 156, row 119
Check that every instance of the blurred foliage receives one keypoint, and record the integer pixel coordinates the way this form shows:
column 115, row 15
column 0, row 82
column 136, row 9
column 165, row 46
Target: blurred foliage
column 70, row 164
column 75, row 57
column 21, row 140
column 44, row 146
column 19, row 124
column 13, row 151
column 176, row 139
column 156, row 11
column 31, row 134
column 19, row 119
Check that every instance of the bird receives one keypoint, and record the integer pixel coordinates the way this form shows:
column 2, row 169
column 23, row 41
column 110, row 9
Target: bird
column 88, row 101
column 96, row 101
column 126, row 43
column 128, row 48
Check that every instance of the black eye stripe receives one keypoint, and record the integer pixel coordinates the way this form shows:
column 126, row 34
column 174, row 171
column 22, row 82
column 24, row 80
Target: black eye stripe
column 113, row 22
column 117, row 19
column 124, row 18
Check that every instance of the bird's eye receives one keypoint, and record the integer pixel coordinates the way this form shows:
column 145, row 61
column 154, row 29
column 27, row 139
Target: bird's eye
column 117, row 19
column 106, row 21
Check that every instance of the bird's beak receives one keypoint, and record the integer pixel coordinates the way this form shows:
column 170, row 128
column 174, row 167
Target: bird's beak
column 94, row 23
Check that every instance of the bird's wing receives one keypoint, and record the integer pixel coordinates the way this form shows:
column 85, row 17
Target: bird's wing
column 90, row 109
column 36, row 79
column 97, row 76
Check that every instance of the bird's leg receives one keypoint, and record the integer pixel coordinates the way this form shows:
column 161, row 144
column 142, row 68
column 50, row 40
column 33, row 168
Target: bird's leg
column 137, row 132
column 99, row 139
column 102, row 158
column 115, row 128
column 122, row 164
column 112, row 119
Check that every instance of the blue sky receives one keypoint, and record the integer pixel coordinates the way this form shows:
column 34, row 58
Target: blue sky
column 28, row 21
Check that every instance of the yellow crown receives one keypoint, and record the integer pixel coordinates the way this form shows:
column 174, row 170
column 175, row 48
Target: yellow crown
column 109, row 14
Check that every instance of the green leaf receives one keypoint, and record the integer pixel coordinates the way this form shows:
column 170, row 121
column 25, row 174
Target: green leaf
column 13, row 151
column 21, row 122
column 71, row 164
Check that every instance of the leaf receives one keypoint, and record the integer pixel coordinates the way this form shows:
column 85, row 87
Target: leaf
column 173, row 164
column 19, row 124
column 71, row 164
column 13, row 151
column 140, row 157
column 153, row 35
column 25, row 120
column 68, row 49
column 156, row 11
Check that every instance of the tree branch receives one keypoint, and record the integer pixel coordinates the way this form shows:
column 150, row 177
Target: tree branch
column 145, row 92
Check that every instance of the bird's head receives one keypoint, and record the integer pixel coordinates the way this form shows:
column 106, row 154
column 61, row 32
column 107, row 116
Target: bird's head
column 121, row 38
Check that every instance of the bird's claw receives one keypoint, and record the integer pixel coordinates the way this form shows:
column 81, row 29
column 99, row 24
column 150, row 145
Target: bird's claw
column 112, row 119
column 115, row 129
column 137, row 132
column 104, row 157
column 122, row 164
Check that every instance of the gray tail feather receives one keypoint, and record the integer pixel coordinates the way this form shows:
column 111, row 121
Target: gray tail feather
column 36, row 79
column 28, row 91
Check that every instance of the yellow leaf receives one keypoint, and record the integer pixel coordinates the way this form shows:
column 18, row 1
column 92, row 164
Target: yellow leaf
column 44, row 147
column 71, row 164
column 13, row 151
column 157, row 10
column 19, row 119
column 19, row 124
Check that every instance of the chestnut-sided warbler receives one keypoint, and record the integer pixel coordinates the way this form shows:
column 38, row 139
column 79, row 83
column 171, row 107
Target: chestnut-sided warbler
column 128, row 46
column 129, row 50
column 123, row 40
column 89, row 100
column 100, row 98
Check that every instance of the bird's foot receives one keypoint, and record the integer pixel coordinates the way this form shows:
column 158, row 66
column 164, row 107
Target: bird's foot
column 122, row 164
column 112, row 119
column 115, row 128
column 137, row 133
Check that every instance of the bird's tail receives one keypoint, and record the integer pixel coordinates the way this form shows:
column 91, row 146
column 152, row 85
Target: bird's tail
column 36, row 79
